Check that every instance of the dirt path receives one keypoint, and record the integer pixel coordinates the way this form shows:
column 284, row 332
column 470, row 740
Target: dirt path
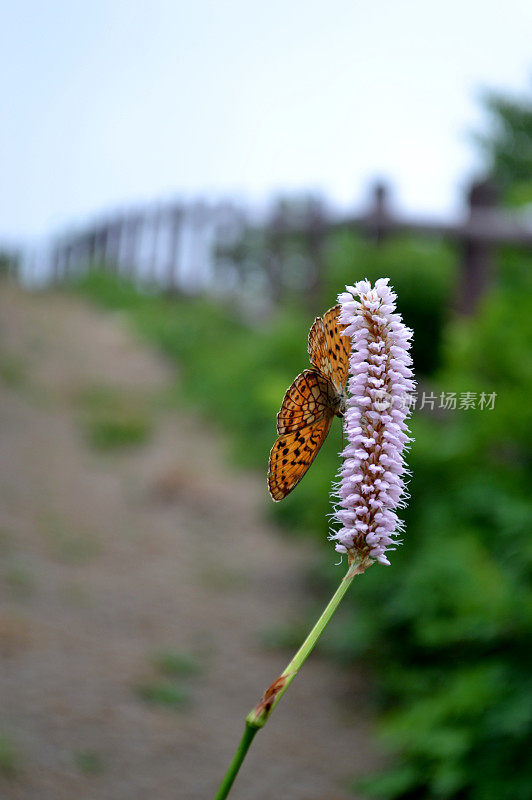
column 109, row 559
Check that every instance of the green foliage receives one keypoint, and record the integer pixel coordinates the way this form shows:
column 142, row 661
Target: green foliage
column 164, row 693
column 112, row 420
column 446, row 629
column 19, row 580
column 507, row 145
column 9, row 758
column 453, row 617
column 89, row 762
column 168, row 687
column 11, row 371
column 174, row 662
column 8, row 262
column 422, row 273
column 67, row 543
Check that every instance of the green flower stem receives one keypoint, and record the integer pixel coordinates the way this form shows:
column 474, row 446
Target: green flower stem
column 232, row 772
column 259, row 715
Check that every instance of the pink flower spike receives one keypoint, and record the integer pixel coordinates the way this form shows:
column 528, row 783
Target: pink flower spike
column 371, row 485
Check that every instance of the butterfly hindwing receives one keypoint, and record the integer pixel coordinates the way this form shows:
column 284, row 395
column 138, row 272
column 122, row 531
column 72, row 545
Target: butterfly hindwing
column 309, row 405
column 293, row 453
column 307, row 399
column 329, row 349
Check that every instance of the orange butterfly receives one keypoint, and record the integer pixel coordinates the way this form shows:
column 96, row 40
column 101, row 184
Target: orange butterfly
column 310, row 404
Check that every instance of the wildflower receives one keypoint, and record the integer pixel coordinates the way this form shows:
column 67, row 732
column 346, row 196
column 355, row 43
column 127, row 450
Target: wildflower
column 371, row 484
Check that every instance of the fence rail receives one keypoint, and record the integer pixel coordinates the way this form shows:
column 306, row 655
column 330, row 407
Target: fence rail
column 199, row 247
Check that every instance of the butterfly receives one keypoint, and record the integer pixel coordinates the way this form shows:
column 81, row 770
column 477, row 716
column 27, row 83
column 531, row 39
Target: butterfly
column 310, row 404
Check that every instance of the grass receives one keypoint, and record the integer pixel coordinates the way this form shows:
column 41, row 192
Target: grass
column 9, row 758
column 112, row 419
column 163, row 692
column 20, row 580
column 167, row 689
column 11, row 371
column 176, row 663
column 89, row 762
column 67, row 545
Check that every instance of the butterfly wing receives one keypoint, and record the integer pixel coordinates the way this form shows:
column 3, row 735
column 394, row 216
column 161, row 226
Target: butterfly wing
column 309, row 405
column 329, row 349
column 309, row 397
column 293, row 453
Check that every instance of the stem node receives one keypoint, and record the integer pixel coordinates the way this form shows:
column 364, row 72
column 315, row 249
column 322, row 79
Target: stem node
column 259, row 715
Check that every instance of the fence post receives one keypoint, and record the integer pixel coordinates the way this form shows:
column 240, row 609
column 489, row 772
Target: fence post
column 76, row 256
column 68, row 261
column 198, row 220
column 156, row 222
column 91, row 248
column 273, row 266
column 114, row 235
column 378, row 220
column 230, row 245
column 132, row 225
column 55, row 264
column 477, row 266
column 100, row 248
column 175, row 221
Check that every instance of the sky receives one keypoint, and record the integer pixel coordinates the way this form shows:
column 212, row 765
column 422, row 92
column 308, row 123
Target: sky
column 108, row 104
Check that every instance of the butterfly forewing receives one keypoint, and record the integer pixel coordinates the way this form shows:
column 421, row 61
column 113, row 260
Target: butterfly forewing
column 309, row 405
column 307, row 399
column 329, row 349
column 293, row 453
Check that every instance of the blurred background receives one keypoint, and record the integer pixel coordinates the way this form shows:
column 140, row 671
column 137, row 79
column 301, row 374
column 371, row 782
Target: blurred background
column 184, row 187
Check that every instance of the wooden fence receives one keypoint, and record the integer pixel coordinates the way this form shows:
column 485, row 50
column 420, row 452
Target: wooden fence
column 221, row 248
